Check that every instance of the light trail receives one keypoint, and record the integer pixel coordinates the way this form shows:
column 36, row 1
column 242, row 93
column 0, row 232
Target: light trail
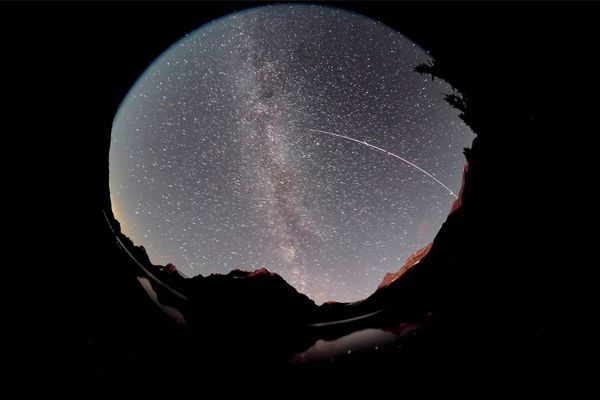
column 388, row 153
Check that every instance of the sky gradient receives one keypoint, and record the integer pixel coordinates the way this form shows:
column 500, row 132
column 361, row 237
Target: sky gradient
column 296, row 138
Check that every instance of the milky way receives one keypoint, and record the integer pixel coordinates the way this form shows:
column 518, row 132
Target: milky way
column 224, row 154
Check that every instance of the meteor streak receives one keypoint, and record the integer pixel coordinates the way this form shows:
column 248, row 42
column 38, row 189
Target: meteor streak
column 388, row 153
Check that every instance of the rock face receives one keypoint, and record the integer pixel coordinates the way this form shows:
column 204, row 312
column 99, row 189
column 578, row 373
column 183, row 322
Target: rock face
column 416, row 257
column 458, row 202
column 410, row 262
column 170, row 269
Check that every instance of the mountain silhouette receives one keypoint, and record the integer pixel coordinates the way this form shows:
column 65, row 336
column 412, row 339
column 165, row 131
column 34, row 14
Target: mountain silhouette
column 259, row 295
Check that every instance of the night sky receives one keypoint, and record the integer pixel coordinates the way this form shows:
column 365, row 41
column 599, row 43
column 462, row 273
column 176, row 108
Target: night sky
column 295, row 138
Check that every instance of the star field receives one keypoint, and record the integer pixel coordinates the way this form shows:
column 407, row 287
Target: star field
column 219, row 158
